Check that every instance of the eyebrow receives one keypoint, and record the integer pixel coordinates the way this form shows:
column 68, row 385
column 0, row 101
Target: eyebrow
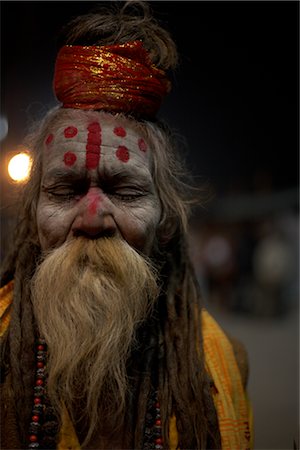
column 67, row 175
column 126, row 172
column 74, row 176
column 128, row 176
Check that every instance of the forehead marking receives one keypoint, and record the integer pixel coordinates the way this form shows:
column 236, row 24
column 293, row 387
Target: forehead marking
column 70, row 132
column 142, row 145
column 93, row 145
column 122, row 153
column 49, row 139
column 69, row 158
column 120, row 131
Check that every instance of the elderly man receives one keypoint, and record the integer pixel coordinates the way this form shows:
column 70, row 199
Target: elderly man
column 104, row 340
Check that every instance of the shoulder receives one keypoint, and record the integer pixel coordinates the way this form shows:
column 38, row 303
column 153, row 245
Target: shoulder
column 6, row 297
column 218, row 345
column 241, row 356
column 227, row 365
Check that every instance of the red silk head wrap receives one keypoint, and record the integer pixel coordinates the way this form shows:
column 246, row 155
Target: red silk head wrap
column 115, row 78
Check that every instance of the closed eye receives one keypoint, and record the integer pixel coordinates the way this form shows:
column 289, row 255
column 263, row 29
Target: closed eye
column 127, row 193
column 63, row 193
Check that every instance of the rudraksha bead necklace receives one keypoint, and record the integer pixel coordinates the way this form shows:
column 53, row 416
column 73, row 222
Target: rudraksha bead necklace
column 42, row 413
column 38, row 395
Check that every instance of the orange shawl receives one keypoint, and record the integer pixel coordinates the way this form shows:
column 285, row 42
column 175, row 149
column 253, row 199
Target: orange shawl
column 230, row 399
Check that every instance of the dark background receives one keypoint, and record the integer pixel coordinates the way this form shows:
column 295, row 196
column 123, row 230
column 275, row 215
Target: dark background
column 234, row 95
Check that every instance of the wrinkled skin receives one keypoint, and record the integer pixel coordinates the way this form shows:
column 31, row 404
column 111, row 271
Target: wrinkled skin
column 97, row 183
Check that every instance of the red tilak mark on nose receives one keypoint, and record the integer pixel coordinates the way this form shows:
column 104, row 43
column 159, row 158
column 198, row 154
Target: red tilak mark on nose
column 93, row 207
column 142, row 145
column 93, row 145
column 122, row 153
column 70, row 132
column 94, row 202
column 49, row 139
column 69, row 158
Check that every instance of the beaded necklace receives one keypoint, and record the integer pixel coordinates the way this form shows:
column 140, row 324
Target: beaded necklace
column 38, row 395
column 44, row 426
column 153, row 431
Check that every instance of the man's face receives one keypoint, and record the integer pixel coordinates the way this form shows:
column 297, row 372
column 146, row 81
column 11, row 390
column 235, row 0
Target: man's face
column 97, row 182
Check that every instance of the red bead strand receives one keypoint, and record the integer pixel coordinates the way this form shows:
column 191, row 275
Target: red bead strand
column 38, row 396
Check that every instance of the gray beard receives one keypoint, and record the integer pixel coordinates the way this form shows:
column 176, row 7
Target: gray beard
column 89, row 297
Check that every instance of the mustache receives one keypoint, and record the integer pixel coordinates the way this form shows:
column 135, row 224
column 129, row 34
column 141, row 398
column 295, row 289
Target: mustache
column 107, row 250
column 110, row 260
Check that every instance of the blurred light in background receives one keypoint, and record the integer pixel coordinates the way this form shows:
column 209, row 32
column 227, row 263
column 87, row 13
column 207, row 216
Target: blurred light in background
column 217, row 251
column 19, row 167
column 272, row 261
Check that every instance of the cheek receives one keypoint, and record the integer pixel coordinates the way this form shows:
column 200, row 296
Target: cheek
column 52, row 226
column 139, row 228
column 153, row 225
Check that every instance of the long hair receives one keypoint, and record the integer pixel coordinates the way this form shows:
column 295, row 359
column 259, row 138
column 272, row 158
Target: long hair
column 171, row 343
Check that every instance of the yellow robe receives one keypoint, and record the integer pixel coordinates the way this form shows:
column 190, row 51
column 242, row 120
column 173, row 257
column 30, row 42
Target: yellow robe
column 230, row 398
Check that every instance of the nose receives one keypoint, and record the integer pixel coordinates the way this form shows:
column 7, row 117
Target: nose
column 95, row 218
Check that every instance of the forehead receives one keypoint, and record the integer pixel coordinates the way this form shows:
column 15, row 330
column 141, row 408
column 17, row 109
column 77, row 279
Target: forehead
column 90, row 141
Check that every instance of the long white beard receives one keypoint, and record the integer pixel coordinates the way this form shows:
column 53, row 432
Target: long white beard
column 89, row 296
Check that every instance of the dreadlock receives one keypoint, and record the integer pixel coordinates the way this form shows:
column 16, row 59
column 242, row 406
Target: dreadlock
column 170, row 349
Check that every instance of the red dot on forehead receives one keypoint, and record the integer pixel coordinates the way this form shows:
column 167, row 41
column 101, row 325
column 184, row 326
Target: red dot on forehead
column 70, row 132
column 122, row 153
column 142, row 145
column 120, row 131
column 49, row 139
column 69, row 158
